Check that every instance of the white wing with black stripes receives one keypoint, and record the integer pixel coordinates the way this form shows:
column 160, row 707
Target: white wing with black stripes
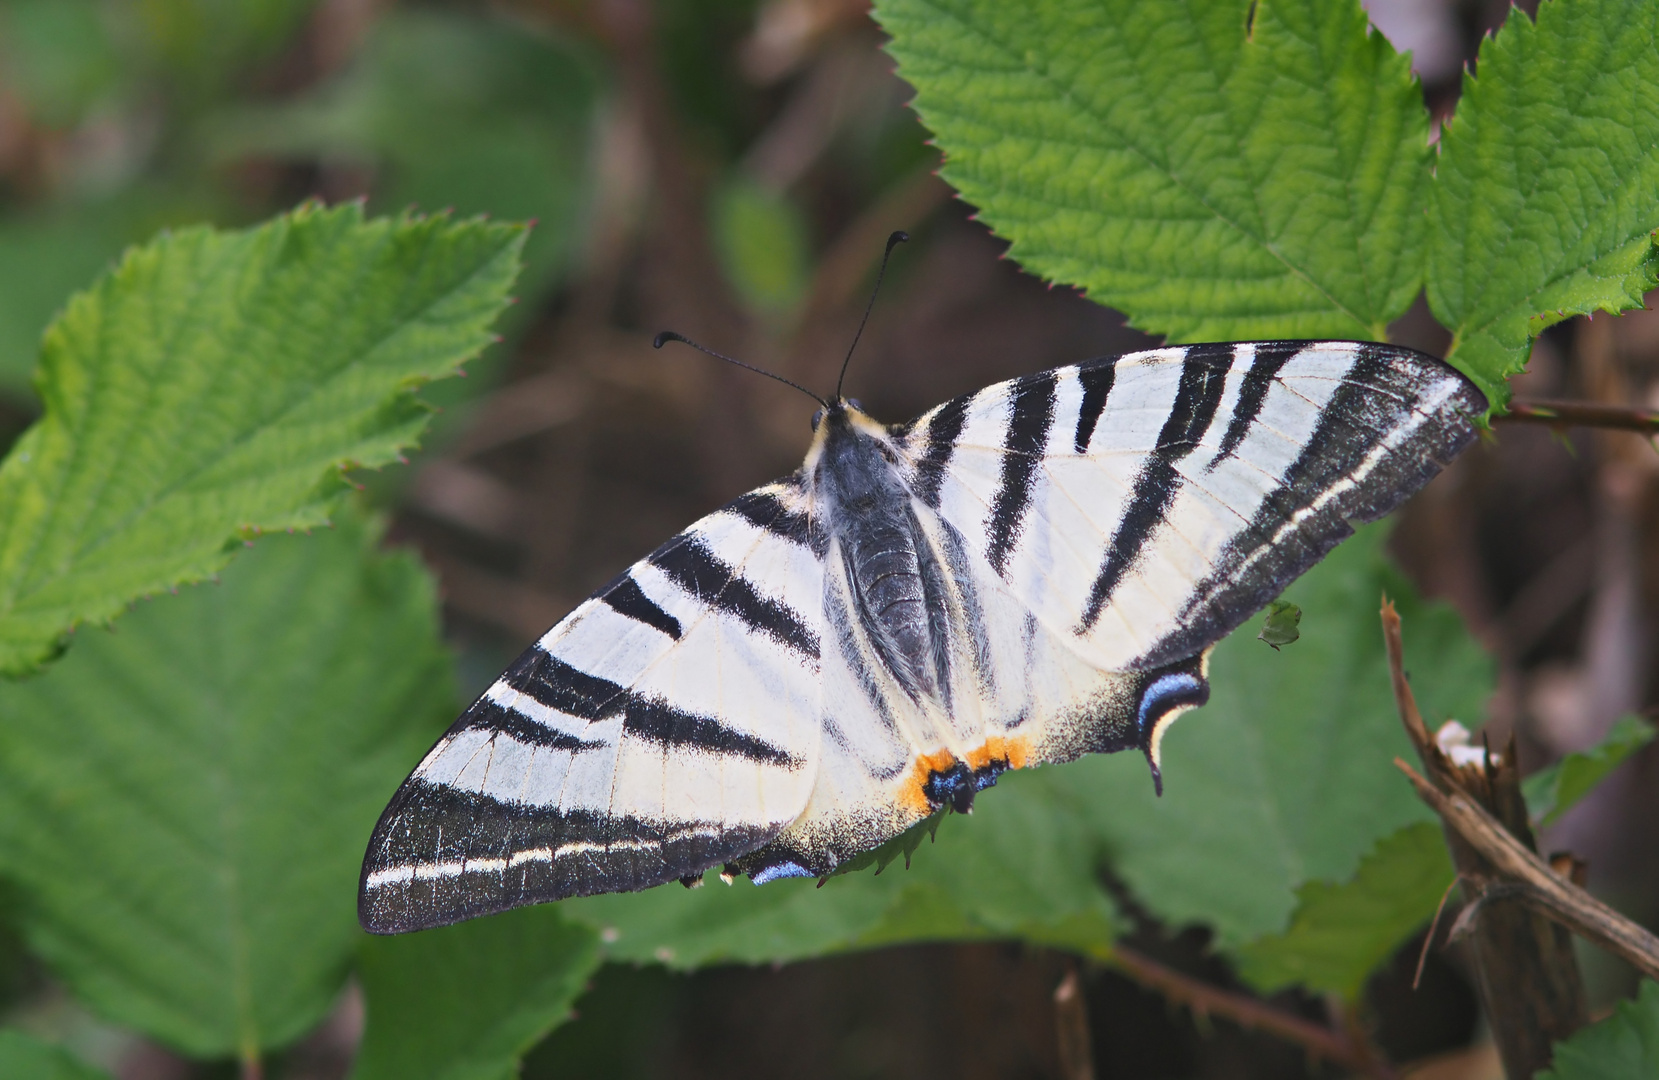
column 1149, row 504
column 668, row 724
column 1020, row 576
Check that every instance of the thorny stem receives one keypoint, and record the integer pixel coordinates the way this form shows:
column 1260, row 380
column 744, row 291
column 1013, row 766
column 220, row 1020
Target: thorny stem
column 1248, row 1012
column 1564, row 414
column 1529, row 879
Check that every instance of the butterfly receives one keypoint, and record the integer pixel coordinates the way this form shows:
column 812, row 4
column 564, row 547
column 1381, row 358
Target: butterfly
column 1017, row 577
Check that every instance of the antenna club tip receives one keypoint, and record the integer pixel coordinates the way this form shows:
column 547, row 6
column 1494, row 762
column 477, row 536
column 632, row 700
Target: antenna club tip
column 664, row 338
column 899, row 236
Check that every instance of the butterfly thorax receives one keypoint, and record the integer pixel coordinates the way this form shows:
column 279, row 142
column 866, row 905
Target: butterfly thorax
column 897, row 585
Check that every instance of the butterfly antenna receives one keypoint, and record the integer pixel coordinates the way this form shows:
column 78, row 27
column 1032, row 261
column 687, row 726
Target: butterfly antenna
column 892, row 242
column 668, row 335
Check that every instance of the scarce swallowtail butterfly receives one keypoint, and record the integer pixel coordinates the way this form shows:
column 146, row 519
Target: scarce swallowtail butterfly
column 1017, row 577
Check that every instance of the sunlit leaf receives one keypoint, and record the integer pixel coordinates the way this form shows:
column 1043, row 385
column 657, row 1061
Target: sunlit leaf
column 1546, row 193
column 1237, row 170
column 217, row 384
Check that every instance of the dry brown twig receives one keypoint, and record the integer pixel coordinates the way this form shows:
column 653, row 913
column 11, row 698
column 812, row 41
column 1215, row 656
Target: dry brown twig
column 1563, row 414
column 1527, row 878
column 1528, row 978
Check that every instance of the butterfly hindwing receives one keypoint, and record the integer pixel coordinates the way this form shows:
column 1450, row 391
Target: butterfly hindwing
column 668, row 724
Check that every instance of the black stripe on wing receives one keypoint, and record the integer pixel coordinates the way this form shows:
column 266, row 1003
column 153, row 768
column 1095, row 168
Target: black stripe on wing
column 440, row 855
column 1384, row 387
column 625, row 597
column 1270, row 357
column 1031, row 414
column 766, row 510
column 558, row 685
column 1203, row 378
column 489, row 716
column 1095, row 377
column 941, row 433
column 693, row 567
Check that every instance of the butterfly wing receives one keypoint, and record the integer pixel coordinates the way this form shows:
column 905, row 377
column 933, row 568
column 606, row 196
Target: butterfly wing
column 1143, row 507
column 668, row 724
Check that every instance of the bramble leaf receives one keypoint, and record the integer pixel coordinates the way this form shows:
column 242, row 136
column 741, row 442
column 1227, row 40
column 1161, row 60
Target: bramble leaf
column 1341, row 933
column 465, row 1002
column 1229, row 171
column 184, row 800
column 1625, row 1044
column 217, row 384
column 1552, row 791
column 1546, row 192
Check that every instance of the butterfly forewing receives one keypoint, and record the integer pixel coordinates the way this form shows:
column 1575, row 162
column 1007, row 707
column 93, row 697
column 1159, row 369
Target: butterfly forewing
column 668, row 724
column 1161, row 498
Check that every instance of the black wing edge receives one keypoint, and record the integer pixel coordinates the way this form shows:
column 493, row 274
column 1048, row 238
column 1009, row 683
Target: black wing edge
column 429, row 826
column 1253, row 571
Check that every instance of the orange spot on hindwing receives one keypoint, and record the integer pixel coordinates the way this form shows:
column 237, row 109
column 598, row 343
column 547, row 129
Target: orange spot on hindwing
column 940, row 779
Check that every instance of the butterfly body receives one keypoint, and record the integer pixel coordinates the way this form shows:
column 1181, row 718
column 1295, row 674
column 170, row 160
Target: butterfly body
column 1020, row 576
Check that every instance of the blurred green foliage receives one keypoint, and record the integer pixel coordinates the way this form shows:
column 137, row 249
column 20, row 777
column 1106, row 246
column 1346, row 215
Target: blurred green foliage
column 761, row 240
column 501, row 984
column 26, row 1058
column 1554, row 790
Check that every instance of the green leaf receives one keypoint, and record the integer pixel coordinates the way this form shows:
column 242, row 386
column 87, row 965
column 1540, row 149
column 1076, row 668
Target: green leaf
column 1341, row 933
column 184, row 801
column 465, row 1002
column 1553, row 791
column 1285, row 777
column 1214, row 177
column 23, row 1057
column 1279, row 628
column 1547, row 188
column 1625, row 1044
column 217, row 384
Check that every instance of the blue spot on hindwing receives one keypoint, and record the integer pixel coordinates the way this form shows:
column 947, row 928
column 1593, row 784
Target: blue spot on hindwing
column 780, row 870
column 1165, row 693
